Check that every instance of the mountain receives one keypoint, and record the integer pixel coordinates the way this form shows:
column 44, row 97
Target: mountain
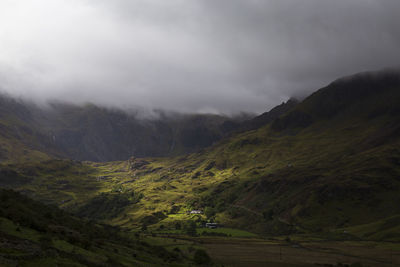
column 89, row 132
column 99, row 134
column 318, row 176
column 327, row 165
column 364, row 95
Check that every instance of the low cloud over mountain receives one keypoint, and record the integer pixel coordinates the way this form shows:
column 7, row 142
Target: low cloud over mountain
column 190, row 56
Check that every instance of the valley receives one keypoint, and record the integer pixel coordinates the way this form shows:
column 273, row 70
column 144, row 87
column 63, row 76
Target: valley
column 317, row 182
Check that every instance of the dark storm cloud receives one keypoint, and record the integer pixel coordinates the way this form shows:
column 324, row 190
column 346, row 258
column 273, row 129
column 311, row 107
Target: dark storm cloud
column 197, row 56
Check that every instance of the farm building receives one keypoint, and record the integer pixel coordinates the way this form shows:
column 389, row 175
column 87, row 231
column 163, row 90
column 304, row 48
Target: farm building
column 196, row 212
column 212, row 225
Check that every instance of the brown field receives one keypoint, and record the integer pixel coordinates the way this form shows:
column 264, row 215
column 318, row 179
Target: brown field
column 258, row 252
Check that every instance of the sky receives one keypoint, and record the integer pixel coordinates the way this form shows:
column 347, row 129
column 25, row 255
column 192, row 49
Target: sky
column 221, row 56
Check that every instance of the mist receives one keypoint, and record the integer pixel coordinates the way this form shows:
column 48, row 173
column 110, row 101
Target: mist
column 223, row 56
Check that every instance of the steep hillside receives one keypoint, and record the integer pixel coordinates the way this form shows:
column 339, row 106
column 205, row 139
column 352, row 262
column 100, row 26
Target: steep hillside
column 21, row 138
column 99, row 134
column 268, row 117
column 89, row 132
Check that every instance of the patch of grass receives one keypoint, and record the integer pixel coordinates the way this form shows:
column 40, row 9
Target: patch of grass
column 227, row 231
column 386, row 229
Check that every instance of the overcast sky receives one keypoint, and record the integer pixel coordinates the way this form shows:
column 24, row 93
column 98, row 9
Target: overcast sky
column 191, row 55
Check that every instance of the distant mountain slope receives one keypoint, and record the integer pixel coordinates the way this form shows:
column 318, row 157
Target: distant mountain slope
column 99, row 134
column 89, row 132
column 21, row 137
column 268, row 117
column 365, row 95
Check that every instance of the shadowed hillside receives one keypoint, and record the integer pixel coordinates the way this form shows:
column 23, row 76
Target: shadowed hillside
column 33, row 234
column 89, row 132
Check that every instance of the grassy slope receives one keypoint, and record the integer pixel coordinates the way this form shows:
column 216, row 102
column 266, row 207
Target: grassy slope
column 341, row 170
column 33, row 234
